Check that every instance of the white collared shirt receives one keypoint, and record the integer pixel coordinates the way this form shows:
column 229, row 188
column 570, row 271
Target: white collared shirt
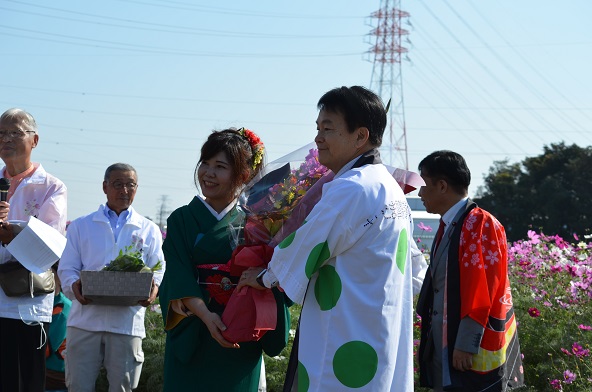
column 91, row 245
column 452, row 211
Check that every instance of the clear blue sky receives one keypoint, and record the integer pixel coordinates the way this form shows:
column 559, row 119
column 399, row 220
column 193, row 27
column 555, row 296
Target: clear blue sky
column 145, row 82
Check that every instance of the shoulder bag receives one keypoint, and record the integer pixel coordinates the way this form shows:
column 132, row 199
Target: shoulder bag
column 17, row 281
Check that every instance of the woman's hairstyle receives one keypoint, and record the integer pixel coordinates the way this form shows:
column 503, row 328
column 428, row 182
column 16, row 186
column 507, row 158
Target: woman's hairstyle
column 243, row 149
column 360, row 107
column 21, row 116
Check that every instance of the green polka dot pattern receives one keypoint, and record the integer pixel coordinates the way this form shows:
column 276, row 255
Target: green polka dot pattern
column 402, row 246
column 355, row 364
column 287, row 241
column 318, row 255
column 303, row 380
column 327, row 287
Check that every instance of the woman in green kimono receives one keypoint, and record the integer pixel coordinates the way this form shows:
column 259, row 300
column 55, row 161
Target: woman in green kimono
column 197, row 285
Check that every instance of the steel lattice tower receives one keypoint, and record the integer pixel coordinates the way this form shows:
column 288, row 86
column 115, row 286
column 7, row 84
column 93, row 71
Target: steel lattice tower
column 386, row 53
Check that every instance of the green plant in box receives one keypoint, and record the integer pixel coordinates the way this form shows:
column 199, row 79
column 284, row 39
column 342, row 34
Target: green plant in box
column 131, row 261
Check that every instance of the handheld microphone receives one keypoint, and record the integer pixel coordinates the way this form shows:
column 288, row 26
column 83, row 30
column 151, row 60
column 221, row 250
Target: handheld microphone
column 4, row 186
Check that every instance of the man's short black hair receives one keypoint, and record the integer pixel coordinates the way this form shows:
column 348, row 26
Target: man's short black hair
column 448, row 166
column 360, row 107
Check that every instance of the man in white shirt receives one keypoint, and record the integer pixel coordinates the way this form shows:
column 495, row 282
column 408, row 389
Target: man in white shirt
column 33, row 192
column 108, row 335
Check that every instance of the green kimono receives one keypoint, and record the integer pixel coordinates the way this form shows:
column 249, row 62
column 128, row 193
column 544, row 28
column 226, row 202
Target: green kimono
column 194, row 361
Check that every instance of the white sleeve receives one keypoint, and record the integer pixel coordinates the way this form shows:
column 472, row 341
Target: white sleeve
column 419, row 266
column 269, row 279
column 326, row 233
column 71, row 261
column 155, row 254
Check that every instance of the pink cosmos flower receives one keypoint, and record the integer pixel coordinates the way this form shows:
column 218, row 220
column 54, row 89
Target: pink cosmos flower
column 568, row 377
column 584, row 327
column 579, row 351
column 424, row 227
column 556, row 384
column 534, row 237
column 534, row 312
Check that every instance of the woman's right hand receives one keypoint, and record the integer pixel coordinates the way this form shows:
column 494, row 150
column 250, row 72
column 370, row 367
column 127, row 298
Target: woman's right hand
column 212, row 321
column 216, row 326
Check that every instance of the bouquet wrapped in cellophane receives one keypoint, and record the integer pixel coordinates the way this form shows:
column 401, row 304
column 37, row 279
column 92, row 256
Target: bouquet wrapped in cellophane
column 275, row 204
column 279, row 199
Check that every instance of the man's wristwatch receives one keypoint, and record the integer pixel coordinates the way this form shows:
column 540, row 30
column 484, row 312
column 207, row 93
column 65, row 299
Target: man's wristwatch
column 259, row 278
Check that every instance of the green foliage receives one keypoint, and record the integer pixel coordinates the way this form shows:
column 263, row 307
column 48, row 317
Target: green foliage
column 131, row 261
column 542, row 339
column 552, row 295
column 275, row 367
column 549, row 192
column 151, row 379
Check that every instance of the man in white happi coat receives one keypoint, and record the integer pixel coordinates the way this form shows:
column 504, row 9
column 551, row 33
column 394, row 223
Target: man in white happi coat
column 353, row 264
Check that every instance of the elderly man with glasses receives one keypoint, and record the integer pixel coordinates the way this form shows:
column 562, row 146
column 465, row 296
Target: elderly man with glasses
column 33, row 192
column 108, row 335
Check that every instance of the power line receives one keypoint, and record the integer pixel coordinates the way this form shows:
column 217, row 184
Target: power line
column 515, row 73
column 485, row 68
column 160, row 27
column 227, row 11
column 145, row 115
column 473, row 85
column 155, row 98
column 122, row 46
column 531, row 66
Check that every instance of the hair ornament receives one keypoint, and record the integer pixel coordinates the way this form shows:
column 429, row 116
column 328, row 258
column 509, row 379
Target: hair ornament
column 257, row 146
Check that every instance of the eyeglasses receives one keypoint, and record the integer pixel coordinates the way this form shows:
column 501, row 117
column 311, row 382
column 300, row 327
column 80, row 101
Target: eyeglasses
column 14, row 134
column 120, row 185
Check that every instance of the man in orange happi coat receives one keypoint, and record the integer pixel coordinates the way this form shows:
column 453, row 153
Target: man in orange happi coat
column 468, row 339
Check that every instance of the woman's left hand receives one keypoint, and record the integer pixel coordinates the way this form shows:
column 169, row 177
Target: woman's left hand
column 249, row 278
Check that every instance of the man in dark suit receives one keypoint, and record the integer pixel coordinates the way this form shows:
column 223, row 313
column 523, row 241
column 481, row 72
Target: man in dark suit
column 469, row 340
